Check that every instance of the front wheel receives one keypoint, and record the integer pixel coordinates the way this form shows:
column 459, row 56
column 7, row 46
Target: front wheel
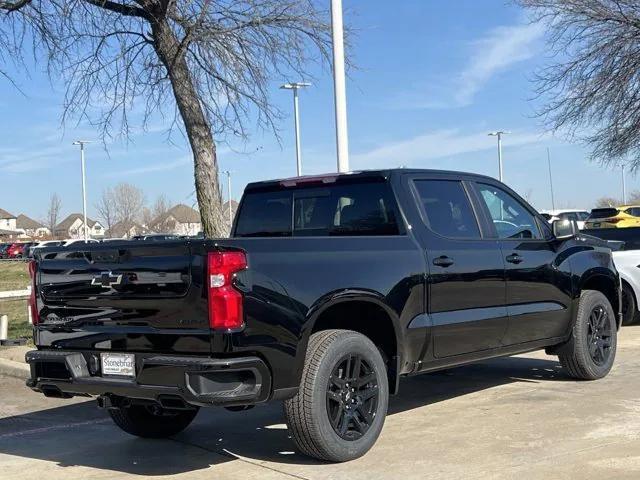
column 339, row 410
column 150, row 421
column 590, row 352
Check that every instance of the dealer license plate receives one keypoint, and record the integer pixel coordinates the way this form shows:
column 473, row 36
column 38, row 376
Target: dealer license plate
column 121, row 364
column 596, row 225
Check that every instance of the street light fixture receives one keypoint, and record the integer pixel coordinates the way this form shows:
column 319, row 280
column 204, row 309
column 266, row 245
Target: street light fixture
column 296, row 113
column 82, row 143
column 499, row 135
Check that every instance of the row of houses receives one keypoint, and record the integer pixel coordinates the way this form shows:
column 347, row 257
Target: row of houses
column 180, row 220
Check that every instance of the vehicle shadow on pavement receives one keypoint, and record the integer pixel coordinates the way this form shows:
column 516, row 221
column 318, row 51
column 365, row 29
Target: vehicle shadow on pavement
column 82, row 435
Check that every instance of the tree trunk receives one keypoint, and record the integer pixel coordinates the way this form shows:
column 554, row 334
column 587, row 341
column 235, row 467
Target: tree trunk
column 197, row 128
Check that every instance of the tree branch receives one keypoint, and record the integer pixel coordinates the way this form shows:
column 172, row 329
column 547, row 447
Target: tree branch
column 121, row 8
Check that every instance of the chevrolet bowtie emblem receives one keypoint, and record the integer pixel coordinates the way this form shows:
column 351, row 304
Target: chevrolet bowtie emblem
column 106, row 280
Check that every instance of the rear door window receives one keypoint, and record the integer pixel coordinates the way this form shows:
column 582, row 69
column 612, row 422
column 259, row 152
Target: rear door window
column 447, row 209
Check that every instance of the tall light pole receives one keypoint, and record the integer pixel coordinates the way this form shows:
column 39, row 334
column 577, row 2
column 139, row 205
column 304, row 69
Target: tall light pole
column 296, row 114
column 624, row 187
column 499, row 135
column 228, row 174
column 82, row 143
column 553, row 203
column 340, row 91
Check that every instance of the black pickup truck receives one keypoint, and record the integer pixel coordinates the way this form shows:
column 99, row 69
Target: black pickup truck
column 329, row 290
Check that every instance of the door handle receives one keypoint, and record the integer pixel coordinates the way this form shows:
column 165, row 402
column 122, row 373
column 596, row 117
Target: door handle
column 443, row 261
column 514, row 258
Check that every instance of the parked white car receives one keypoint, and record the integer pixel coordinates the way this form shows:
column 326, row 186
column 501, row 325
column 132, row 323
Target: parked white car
column 71, row 241
column 567, row 214
column 628, row 265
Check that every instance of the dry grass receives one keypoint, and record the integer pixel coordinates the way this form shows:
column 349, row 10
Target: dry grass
column 15, row 276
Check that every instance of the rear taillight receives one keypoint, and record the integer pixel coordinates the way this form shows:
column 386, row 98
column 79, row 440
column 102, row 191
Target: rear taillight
column 33, row 305
column 225, row 302
column 613, row 220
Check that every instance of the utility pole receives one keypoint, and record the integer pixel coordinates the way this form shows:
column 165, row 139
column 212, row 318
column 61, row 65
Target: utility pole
column 339, row 86
column 499, row 135
column 228, row 174
column 624, row 187
column 553, row 203
column 296, row 114
column 84, row 186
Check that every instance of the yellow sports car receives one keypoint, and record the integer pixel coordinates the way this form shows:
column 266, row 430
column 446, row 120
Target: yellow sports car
column 614, row 217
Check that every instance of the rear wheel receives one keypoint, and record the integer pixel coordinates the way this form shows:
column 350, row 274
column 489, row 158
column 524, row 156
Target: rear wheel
column 339, row 410
column 629, row 305
column 150, row 421
column 590, row 352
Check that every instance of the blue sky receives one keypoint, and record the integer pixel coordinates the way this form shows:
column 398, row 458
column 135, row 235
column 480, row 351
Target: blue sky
column 432, row 78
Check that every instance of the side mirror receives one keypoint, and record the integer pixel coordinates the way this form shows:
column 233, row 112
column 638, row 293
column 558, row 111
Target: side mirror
column 563, row 229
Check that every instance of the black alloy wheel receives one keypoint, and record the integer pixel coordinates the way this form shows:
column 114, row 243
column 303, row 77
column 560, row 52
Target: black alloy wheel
column 599, row 335
column 352, row 397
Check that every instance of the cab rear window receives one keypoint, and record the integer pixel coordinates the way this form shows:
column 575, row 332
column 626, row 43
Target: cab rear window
column 337, row 210
column 603, row 212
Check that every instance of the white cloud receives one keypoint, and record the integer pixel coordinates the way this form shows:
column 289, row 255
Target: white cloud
column 498, row 50
column 501, row 48
column 154, row 167
column 436, row 144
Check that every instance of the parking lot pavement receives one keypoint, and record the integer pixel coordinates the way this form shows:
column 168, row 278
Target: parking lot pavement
column 517, row 417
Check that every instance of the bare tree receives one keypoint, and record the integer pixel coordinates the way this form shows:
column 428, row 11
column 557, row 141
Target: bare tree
column 151, row 214
column 53, row 213
column 206, row 63
column 128, row 201
column 633, row 198
column 107, row 208
column 161, row 206
column 592, row 91
column 607, row 202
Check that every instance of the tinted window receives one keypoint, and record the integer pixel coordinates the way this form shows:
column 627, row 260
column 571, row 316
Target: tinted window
column 343, row 209
column 603, row 212
column 510, row 218
column 265, row 214
column 447, row 209
column 635, row 211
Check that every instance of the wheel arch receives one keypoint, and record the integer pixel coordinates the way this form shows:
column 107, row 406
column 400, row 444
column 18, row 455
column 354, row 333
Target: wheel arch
column 609, row 285
column 365, row 312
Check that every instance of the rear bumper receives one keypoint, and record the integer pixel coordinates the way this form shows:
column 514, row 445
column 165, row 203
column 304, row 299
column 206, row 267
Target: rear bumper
column 166, row 379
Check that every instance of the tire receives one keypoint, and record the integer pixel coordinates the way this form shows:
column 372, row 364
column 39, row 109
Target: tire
column 151, row 422
column 357, row 407
column 591, row 351
column 629, row 305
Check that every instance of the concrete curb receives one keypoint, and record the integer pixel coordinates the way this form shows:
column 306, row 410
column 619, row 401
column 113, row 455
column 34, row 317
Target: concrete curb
column 9, row 368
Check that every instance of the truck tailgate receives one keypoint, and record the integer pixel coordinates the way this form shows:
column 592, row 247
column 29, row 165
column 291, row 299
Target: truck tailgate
column 127, row 297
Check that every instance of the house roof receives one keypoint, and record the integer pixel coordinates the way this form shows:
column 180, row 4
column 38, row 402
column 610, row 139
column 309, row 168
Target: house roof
column 27, row 223
column 181, row 213
column 67, row 222
column 5, row 215
column 234, row 205
column 122, row 229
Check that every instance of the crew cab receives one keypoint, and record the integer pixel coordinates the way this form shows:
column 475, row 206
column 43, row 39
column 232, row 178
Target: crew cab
column 329, row 290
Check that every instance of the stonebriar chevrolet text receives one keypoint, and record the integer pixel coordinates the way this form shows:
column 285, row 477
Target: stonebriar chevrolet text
column 329, row 290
